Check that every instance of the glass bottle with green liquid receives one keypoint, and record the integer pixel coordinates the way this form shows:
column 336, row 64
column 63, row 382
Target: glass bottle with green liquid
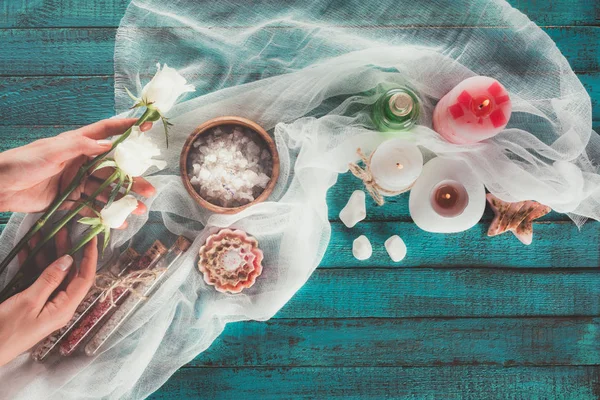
column 397, row 109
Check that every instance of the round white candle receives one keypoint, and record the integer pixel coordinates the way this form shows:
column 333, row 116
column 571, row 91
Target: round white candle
column 453, row 177
column 476, row 109
column 396, row 164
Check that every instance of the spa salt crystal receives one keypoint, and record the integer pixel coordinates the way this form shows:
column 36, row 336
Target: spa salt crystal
column 230, row 166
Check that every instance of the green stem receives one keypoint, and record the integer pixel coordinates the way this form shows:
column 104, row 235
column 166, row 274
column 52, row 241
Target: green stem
column 149, row 115
column 95, row 231
column 19, row 282
column 64, row 220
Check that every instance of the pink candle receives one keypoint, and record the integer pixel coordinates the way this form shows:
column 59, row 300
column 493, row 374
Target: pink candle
column 476, row 109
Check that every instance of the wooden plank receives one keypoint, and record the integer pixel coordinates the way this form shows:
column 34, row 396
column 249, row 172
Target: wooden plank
column 457, row 292
column 56, row 100
column 89, row 51
column 556, row 245
column 100, row 13
column 406, row 342
column 29, row 52
column 68, row 100
column 465, row 382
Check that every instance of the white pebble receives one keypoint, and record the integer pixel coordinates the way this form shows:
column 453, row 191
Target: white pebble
column 361, row 248
column 396, row 248
column 355, row 210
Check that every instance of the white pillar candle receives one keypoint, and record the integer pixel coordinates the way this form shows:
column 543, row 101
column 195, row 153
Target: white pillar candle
column 396, row 164
column 448, row 197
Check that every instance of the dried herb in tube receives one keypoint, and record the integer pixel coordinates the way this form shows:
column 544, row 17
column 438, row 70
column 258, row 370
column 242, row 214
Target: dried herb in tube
column 132, row 303
column 103, row 309
column 45, row 347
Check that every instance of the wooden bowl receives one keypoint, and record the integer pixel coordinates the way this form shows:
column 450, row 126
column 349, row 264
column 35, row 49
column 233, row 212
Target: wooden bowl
column 208, row 125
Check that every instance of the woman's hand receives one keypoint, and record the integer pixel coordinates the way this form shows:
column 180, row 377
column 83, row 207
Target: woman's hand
column 29, row 316
column 33, row 175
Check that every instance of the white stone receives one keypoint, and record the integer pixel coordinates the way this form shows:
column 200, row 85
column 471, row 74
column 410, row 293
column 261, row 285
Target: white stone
column 361, row 248
column 396, row 248
column 355, row 210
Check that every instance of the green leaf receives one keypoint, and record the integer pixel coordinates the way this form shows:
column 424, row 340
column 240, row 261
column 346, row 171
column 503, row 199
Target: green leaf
column 129, row 185
column 106, row 239
column 137, row 105
column 166, row 125
column 90, row 221
column 105, row 164
column 116, row 190
column 131, row 95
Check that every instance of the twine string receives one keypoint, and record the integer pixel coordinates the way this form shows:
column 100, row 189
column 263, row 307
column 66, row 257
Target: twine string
column 365, row 175
column 109, row 283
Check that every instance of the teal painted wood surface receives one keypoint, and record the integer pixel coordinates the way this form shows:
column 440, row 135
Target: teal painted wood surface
column 464, row 316
column 108, row 13
column 71, row 51
column 415, row 383
column 385, row 342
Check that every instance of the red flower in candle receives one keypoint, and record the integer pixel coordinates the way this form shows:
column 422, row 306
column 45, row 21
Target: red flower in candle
column 477, row 109
column 482, row 106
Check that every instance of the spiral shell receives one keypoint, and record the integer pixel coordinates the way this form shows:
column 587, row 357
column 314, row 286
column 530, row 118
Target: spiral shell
column 230, row 260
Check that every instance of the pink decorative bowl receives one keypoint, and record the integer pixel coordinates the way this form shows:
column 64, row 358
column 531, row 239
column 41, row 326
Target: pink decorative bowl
column 230, row 260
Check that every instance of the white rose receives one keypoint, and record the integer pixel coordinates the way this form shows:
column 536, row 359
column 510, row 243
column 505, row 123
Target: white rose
column 115, row 215
column 164, row 89
column 136, row 154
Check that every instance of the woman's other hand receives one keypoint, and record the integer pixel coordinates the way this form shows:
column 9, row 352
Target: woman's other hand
column 30, row 316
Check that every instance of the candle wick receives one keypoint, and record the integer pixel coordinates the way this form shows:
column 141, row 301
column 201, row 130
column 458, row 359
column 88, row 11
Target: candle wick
column 399, row 166
column 447, row 195
column 485, row 103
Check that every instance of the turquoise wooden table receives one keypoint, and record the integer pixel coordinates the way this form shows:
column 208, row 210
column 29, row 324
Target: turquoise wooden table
column 464, row 316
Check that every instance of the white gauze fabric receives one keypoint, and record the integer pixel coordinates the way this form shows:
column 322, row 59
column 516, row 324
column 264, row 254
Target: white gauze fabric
column 307, row 72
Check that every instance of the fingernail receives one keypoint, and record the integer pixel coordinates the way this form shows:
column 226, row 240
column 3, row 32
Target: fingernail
column 65, row 262
column 104, row 142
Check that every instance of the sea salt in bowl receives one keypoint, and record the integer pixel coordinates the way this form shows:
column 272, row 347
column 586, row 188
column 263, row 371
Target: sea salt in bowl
column 228, row 164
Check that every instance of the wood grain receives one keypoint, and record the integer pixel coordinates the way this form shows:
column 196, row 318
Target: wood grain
column 456, row 292
column 406, row 342
column 464, row 316
column 462, row 382
column 102, row 13
column 555, row 245
column 89, row 51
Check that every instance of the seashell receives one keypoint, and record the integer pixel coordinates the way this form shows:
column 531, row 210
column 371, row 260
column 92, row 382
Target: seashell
column 230, row 260
column 515, row 217
column 355, row 210
column 396, row 248
column 361, row 248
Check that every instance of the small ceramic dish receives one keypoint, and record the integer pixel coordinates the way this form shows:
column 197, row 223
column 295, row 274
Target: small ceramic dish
column 208, row 126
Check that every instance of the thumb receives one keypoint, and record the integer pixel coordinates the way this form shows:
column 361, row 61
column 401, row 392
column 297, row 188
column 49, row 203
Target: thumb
column 49, row 280
column 67, row 147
